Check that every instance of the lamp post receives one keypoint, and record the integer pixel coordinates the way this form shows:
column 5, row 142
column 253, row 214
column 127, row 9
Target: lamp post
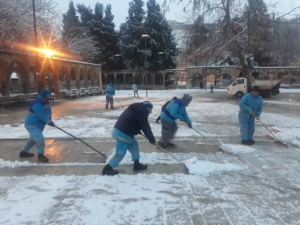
column 118, row 56
column 161, row 61
column 146, row 36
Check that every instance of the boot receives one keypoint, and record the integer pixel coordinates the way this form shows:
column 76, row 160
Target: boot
column 171, row 145
column 162, row 145
column 42, row 158
column 106, row 107
column 246, row 142
column 25, row 154
column 109, row 171
column 139, row 166
column 252, row 141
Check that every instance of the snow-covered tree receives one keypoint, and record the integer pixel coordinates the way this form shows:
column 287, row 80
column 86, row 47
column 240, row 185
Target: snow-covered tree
column 17, row 27
column 78, row 39
column 161, row 40
column 131, row 43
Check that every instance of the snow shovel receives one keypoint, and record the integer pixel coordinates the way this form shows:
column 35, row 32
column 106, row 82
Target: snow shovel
column 119, row 102
column 82, row 142
column 276, row 139
column 185, row 167
column 208, row 139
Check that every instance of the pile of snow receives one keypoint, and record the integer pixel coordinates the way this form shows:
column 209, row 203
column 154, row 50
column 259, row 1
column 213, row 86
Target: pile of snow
column 237, row 149
column 205, row 168
column 287, row 135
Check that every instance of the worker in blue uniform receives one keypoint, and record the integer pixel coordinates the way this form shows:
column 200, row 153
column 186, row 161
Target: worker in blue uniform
column 251, row 106
column 38, row 116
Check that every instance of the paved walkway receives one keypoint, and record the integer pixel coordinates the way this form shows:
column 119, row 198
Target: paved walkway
column 266, row 193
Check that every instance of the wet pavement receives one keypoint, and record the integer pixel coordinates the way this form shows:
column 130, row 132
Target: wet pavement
column 266, row 193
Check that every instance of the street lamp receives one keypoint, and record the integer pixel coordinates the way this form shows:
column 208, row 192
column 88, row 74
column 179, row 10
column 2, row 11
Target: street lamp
column 160, row 63
column 146, row 36
column 118, row 56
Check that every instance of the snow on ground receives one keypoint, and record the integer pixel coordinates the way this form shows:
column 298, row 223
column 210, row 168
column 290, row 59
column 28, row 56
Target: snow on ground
column 201, row 110
column 216, row 191
column 202, row 168
column 287, row 135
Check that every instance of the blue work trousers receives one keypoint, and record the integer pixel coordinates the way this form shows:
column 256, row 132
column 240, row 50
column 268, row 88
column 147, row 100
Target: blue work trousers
column 124, row 144
column 36, row 138
column 247, row 128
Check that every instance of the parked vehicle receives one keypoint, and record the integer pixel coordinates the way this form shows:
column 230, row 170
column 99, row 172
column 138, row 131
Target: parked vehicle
column 242, row 86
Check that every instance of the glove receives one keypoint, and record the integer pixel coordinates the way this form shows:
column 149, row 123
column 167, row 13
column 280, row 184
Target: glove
column 52, row 124
column 190, row 125
column 251, row 112
column 154, row 143
column 182, row 119
column 257, row 117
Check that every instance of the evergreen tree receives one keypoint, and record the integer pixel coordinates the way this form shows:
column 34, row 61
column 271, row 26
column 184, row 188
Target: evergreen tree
column 110, row 38
column 259, row 35
column 130, row 36
column 196, row 36
column 70, row 23
column 96, row 27
column 86, row 14
column 162, row 40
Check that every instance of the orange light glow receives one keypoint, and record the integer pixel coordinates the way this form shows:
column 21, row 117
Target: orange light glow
column 48, row 53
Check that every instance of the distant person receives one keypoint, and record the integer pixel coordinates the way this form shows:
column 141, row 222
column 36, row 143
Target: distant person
column 130, row 123
column 211, row 87
column 39, row 115
column 251, row 106
column 176, row 109
column 135, row 90
column 3, row 87
column 110, row 92
column 163, row 108
column 201, row 85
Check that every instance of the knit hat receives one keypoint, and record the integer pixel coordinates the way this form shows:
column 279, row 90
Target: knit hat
column 45, row 93
column 148, row 105
column 255, row 88
column 186, row 99
column 174, row 98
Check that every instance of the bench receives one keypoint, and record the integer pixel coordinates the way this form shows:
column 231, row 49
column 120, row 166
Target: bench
column 75, row 91
column 8, row 101
column 90, row 92
column 70, row 95
column 83, row 93
column 25, row 99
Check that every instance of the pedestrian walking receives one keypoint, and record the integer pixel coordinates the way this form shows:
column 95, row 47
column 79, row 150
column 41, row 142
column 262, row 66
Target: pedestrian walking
column 110, row 92
column 39, row 114
column 131, row 122
column 211, row 87
column 176, row 109
column 251, row 106
column 163, row 108
column 135, row 90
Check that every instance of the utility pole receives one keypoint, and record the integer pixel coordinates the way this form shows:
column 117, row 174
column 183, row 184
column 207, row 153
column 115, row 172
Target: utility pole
column 37, row 66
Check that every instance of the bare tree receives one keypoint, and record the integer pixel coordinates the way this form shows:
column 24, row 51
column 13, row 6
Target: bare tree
column 228, row 29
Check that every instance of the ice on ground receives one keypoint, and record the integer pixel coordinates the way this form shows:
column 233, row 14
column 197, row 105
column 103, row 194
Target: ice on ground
column 205, row 168
column 237, row 149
